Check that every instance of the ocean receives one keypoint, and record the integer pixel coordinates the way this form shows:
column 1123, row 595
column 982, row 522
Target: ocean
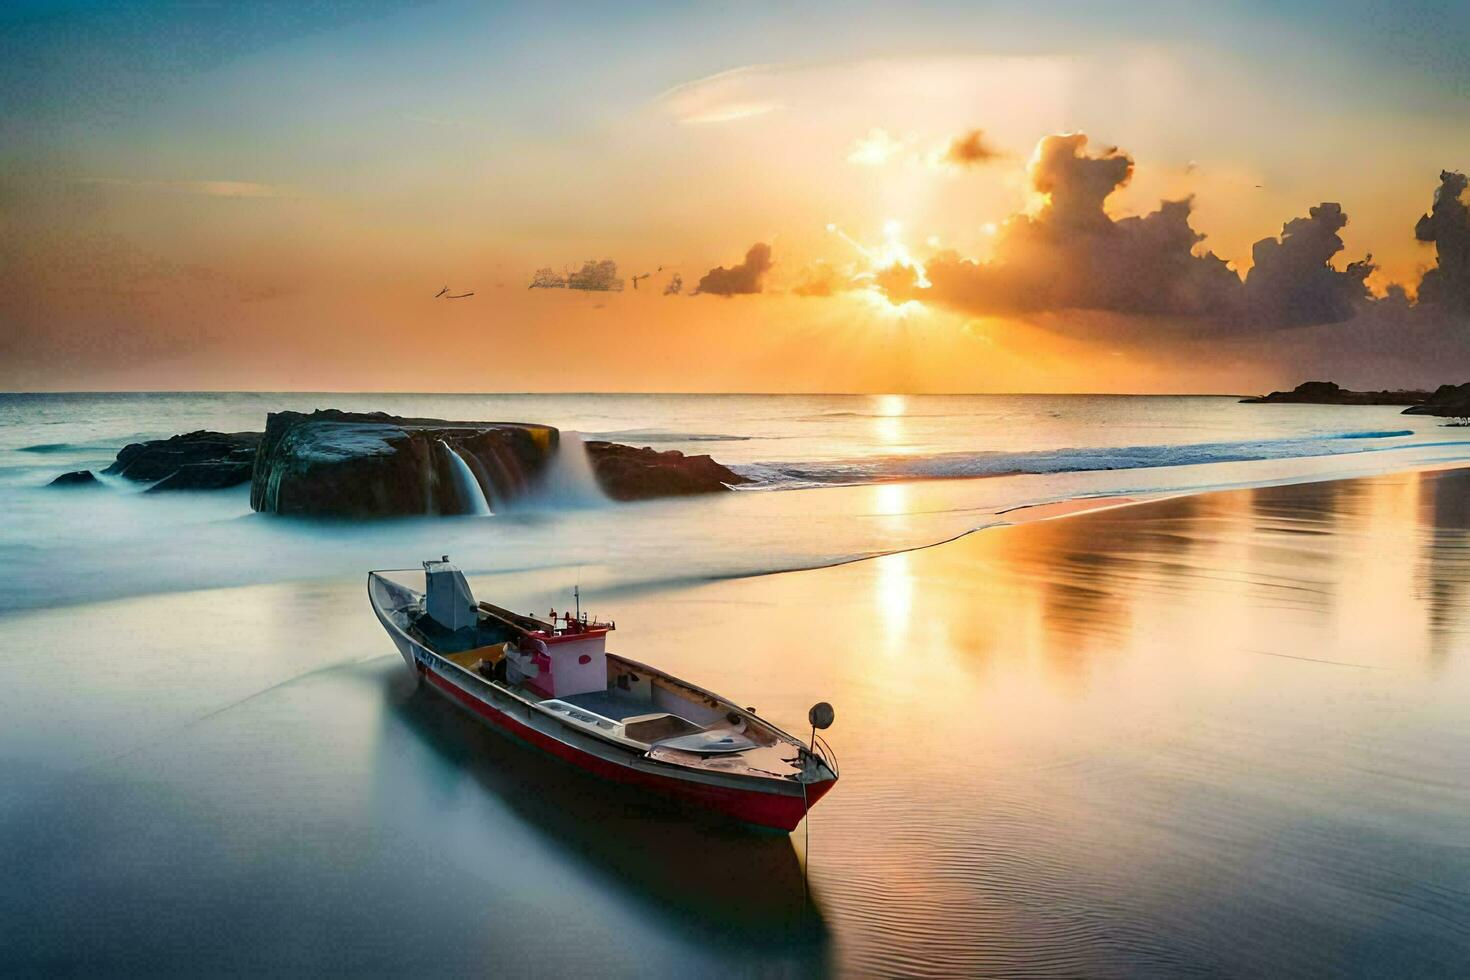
column 1221, row 732
column 894, row 472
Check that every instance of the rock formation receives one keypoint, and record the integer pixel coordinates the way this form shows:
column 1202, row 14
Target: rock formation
column 201, row 460
column 77, row 478
column 1328, row 393
column 355, row 464
column 1448, row 401
column 625, row 473
column 351, row 464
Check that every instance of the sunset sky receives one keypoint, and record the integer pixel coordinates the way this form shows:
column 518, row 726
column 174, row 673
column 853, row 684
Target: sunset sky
column 198, row 196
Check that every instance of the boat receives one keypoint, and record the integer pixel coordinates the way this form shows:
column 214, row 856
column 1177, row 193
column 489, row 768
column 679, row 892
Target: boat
column 552, row 684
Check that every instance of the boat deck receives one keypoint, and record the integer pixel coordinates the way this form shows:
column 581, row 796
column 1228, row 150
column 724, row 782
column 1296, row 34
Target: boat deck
column 614, row 704
column 607, row 711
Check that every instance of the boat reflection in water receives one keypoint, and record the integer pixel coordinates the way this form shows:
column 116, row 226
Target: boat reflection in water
column 565, row 845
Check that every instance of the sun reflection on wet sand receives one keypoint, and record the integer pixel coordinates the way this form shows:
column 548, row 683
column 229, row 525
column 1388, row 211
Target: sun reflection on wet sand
column 1178, row 721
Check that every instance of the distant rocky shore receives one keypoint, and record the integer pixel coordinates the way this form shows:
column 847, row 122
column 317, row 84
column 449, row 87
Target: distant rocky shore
column 351, row 464
column 1328, row 393
column 1446, row 401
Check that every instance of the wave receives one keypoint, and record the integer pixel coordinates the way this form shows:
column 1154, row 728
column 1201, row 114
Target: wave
column 1386, row 434
column 938, row 466
column 660, row 435
column 51, row 447
column 820, row 416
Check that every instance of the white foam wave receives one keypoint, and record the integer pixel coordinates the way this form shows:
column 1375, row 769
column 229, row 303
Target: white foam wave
column 878, row 469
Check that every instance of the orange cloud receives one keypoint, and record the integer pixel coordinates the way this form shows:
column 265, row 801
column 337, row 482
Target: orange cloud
column 745, row 278
column 1072, row 255
column 970, row 150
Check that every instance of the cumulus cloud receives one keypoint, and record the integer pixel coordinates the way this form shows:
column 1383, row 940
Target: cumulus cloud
column 747, row 277
column 1447, row 226
column 597, row 277
column 547, row 278
column 593, row 277
column 1292, row 282
column 1073, row 255
column 898, row 279
column 969, row 150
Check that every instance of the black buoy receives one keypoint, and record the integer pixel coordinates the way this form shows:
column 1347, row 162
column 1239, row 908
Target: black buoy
column 821, row 716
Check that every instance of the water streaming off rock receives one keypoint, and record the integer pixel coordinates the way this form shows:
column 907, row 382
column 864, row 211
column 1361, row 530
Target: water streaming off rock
column 569, row 481
column 471, row 496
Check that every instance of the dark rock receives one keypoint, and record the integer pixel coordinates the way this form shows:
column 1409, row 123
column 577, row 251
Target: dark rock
column 625, row 473
column 1328, row 393
column 159, row 459
column 1448, row 401
column 352, row 464
column 205, row 476
column 370, row 464
column 78, row 478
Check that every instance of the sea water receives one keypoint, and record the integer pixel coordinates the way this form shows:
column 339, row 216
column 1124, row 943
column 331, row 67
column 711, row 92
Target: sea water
column 1213, row 734
column 818, row 466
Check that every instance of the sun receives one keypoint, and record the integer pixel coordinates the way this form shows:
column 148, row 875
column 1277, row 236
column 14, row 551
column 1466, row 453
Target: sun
column 890, row 254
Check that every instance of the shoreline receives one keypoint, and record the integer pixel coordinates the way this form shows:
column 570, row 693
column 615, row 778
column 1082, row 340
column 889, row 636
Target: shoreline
column 242, row 529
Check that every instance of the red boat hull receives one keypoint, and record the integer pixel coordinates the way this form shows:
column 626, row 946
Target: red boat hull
column 774, row 810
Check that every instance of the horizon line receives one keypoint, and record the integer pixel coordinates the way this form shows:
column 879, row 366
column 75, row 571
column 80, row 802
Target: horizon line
column 714, row 394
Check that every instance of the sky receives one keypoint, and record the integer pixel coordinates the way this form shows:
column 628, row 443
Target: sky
column 1170, row 197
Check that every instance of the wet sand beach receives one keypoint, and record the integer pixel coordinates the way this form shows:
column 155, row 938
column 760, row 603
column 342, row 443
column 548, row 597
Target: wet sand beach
column 1215, row 734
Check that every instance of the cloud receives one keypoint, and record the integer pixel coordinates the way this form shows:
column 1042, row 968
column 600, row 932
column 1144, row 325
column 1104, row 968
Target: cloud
column 547, row 278
column 202, row 188
column 1291, row 282
column 898, row 279
column 593, row 277
column 875, row 149
column 1072, row 255
column 745, row 278
column 821, row 279
column 730, row 96
column 597, row 277
column 970, row 150
column 1447, row 226
column 730, row 113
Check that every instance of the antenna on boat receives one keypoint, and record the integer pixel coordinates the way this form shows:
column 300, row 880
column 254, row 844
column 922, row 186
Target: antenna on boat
column 577, row 595
column 821, row 716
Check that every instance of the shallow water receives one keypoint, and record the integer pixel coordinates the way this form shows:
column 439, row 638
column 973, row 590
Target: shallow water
column 1221, row 733
column 1213, row 734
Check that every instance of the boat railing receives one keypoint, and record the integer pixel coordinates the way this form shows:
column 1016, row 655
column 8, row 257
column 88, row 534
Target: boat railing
column 825, row 753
